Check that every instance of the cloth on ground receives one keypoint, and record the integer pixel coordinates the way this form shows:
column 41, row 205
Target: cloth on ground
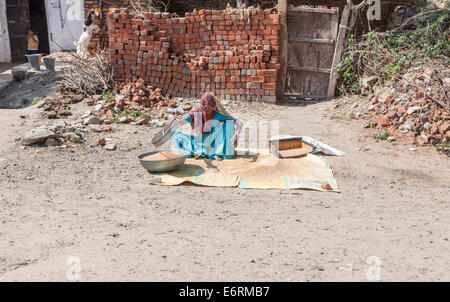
column 260, row 170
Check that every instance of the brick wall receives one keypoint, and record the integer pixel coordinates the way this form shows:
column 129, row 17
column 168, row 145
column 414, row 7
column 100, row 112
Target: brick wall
column 387, row 7
column 189, row 5
column 182, row 6
column 207, row 50
column 106, row 5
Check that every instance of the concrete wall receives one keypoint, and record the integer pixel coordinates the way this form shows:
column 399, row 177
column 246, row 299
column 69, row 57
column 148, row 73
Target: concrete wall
column 5, row 51
column 65, row 25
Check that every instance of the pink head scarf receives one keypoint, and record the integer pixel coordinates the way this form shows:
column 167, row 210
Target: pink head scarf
column 207, row 101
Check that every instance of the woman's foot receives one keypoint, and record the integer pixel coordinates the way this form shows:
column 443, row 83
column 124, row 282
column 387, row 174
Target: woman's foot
column 198, row 156
column 218, row 158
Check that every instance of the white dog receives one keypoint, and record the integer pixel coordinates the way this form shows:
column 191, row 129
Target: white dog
column 88, row 28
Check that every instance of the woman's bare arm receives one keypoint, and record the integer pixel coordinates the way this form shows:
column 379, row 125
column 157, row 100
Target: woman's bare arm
column 237, row 130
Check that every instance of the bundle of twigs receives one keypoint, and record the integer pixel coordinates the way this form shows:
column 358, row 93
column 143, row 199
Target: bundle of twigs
column 88, row 75
column 138, row 8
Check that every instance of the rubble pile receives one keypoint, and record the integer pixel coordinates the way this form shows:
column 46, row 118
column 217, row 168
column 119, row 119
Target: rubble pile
column 132, row 102
column 143, row 96
column 55, row 135
column 414, row 107
column 135, row 103
column 66, row 134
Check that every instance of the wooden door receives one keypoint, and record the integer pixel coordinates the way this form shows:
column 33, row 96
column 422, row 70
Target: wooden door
column 311, row 42
column 18, row 16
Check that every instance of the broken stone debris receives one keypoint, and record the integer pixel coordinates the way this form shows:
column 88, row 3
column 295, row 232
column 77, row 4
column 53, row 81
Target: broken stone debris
column 92, row 120
column 37, row 135
column 135, row 103
column 72, row 137
column 51, row 142
column 414, row 108
column 100, row 142
column 60, row 133
column 110, row 146
column 96, row 128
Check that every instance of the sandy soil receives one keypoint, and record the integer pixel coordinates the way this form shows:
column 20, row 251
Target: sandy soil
column 98, row 205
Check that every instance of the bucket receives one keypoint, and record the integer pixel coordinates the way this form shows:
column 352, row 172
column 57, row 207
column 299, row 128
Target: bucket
column 50, row 63
column 35, row 61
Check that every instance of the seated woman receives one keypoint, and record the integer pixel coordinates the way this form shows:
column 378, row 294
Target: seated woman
column 215, row 134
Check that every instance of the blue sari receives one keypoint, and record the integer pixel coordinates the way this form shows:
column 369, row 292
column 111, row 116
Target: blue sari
column 216, row 143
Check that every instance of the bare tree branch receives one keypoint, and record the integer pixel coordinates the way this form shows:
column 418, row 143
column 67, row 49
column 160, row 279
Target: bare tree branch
column 87, row 76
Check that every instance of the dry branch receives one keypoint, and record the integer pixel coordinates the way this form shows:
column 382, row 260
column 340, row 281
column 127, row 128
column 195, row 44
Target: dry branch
column 138, row 8
column 88, row 76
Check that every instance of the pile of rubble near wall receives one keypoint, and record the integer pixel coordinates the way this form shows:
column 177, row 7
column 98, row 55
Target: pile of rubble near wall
column 134, row 102
column 414, row 108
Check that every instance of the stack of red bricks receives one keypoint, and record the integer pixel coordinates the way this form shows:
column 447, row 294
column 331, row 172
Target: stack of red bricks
column 224, row 52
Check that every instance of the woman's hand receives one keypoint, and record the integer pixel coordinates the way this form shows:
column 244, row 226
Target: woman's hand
column 238, row 126
column 235, row 139
column 237, row 130
column 181, row 122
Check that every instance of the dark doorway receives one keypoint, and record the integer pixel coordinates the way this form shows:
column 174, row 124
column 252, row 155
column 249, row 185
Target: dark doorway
column 21, row 15
column 18, row 23
column 38, row 21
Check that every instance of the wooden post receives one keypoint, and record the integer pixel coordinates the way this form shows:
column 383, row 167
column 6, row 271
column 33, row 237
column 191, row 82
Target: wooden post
column 100, row 4
column 342, row 34
column 281, row 85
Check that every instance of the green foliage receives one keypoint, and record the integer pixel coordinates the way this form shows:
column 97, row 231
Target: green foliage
column 24, row 101
column 443, row 147
column 37, row 99
column 109, row 95
column 352, row 115
column 387, row 54
column 136, row 114
column 417, row 130
column 382, row 136
column 348, row 70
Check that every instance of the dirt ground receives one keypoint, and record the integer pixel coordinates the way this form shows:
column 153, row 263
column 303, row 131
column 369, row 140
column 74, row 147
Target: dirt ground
column 56, row 203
